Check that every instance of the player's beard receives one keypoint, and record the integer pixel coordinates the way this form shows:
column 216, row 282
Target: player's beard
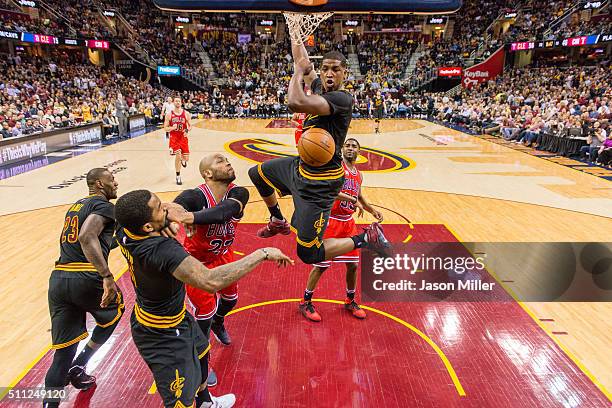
column 224, row 177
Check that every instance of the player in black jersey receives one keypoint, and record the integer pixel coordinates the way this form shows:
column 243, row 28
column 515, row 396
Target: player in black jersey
column 379, row 109
column 166, row 335
column 82, row 282
column 314, row 189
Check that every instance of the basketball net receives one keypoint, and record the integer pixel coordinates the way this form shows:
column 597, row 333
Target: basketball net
column 301, row 25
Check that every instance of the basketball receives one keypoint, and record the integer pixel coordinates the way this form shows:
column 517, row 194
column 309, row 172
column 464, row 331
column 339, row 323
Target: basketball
column 309, row 3
column 316, row 147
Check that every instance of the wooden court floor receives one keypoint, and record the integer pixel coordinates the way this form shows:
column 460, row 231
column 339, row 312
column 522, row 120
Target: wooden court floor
column 416, row 172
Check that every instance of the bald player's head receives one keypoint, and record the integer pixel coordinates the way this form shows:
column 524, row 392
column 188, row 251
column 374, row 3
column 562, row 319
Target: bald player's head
column 216, row 167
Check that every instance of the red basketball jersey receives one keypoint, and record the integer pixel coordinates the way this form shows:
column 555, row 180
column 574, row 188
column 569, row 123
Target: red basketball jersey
column 212, row 241
column 343, row 210
column 180, row 121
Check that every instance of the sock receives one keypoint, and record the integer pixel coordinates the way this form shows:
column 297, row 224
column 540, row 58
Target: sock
column 360, row 240
column 56, row 375
column 224, row 307
column 350, row 293
column 276, row 212
column 205, row 326
column 202, row 397
column 178, row 173
column 83, row 356
column 308, row 295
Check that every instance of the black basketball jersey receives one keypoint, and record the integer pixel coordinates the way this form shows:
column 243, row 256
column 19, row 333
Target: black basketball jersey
column 337, row 123
column 378, row 102
column 72, row 260
column 160, row 297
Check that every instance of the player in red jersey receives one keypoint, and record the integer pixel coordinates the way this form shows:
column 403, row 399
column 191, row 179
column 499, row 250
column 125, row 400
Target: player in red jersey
column 178, row 123
column 342, row 225
column 217, row 207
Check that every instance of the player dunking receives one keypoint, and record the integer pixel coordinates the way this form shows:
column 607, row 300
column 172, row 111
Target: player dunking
column 165, row 334
column 178, row 123
column 342, row 225
column 81, row 283
column 314, row 189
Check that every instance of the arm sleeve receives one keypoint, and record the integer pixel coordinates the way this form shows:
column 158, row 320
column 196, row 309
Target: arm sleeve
column 219, row 214
column 191, row 200
column 340, row 102
column 168, row 255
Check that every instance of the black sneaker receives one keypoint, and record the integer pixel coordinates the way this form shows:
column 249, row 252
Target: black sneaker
column 221, row 334
column 377, row 241
column 211, row 381
column 183, row 163
column 80, row 379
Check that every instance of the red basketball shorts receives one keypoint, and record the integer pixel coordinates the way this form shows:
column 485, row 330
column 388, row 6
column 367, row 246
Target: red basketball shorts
column 204, row 303
column 179, row 144
column 340, row 229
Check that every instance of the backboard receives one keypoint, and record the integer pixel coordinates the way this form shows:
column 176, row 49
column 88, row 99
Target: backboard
column 339, row 6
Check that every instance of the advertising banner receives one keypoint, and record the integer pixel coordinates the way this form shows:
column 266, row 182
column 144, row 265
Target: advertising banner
column 486, row 70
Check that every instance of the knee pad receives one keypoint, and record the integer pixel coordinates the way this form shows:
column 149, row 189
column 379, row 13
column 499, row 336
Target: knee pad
column 311, row 255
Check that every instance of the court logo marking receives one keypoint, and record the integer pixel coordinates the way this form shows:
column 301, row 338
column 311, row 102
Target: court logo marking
column 370, row 160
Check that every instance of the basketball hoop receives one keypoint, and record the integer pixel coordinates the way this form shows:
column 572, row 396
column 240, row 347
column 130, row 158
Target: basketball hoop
column 302, row 25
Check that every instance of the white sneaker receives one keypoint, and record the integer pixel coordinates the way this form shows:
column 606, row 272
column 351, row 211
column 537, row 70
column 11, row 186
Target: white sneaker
column 224, row 401
column 178, row 180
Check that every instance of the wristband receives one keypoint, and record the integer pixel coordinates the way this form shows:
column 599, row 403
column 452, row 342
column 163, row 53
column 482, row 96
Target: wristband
column 266, row 253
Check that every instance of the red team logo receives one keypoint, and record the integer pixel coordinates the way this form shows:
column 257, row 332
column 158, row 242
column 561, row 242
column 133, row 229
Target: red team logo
column 178, row 141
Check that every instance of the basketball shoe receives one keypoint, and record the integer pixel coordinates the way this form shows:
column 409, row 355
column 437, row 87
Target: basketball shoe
column 377, row 241
column 353, row 307
column 224, row 401
column 274, row 227
column 308, row 311
column 80, row 379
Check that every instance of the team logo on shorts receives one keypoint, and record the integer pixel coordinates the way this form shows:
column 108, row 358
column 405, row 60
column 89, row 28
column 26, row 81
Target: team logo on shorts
column 319, row 224
column 370, row 160
column 177, row 385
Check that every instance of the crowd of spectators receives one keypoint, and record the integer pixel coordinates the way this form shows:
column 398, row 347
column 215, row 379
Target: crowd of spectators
column 524, row 104
column 44, row 94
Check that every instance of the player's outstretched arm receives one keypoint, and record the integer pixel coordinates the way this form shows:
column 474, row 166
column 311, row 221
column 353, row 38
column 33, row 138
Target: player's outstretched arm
column 231, row 207
column 192, row 272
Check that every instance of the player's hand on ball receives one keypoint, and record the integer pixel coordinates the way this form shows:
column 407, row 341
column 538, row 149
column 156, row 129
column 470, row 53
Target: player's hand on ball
column 304, row 66
column 276, row 255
